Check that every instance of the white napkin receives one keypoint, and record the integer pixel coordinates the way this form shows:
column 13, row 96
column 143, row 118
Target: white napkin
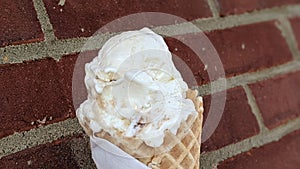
column 108, row 156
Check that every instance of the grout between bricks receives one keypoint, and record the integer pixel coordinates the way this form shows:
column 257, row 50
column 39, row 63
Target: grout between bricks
column 214, row 7
column 43, row 17
column 33, row 51
column 28, row 139
column 39, row 50
column 255, row 110
column 248, row 78
column 81, row 153
column 58, row 48
column 287, row 32
column 247, row 18
column 211, row 159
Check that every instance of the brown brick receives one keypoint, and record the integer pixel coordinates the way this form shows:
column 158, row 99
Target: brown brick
column 19, row 23
column 188, row 63
column 237, row 122
column 284, row 153
column 75, row 76
column 250, row 48
column 296, row 27
column 228, row 7
column 65, row 153
column 65, row 68
column 278, row 99
column 32, row 91
column 83, row 18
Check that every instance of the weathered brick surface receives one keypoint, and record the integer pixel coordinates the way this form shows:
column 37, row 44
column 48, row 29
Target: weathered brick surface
column 295, row 22
column 19, row 23
column 188, row 63
column 32, row 91
column 237, row 122
column 250, row 48
column 93, row 14
column 75, row 80
column 65, row 153
column 278, row 99
column 283, row 154
column 65, row 68
column 228, row 7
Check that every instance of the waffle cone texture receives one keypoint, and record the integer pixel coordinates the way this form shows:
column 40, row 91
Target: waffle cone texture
column 180, row 151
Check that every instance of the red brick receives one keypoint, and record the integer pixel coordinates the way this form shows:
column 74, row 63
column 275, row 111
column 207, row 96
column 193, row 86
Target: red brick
column 250, row 48
column 64, row 153
column 296, row 27
column 75, row 79
column 91, row 15
column 31, row 91
column 278, row 99
column 228, row 7
column 236, row 124
column 188, row 63
column 65, row 68
column 19, row 23
column 284, row 153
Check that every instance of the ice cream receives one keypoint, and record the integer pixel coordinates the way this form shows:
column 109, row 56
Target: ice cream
column 134, row 89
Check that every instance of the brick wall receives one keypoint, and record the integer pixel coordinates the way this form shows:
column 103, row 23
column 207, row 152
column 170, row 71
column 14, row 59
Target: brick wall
column 258, row 42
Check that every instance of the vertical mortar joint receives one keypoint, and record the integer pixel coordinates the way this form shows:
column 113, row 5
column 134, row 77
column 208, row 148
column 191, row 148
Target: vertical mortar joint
column 255, row 109
column 214, row 7
column 44, row 20
column 284, row 25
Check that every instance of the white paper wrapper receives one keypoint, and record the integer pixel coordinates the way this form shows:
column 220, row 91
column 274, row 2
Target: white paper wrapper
column 108, row 156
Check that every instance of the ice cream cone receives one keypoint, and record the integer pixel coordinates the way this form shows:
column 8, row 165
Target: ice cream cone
column 180, row 151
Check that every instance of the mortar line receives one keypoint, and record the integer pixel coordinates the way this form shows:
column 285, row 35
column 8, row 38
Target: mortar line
column 254, row 107
column 25, row 52
column 27, row 139
column 214, row 7
column 40, row 50
column 285, row 27
column 213, row 158
column 44, row 20
column 248, row 78
column 247, row 18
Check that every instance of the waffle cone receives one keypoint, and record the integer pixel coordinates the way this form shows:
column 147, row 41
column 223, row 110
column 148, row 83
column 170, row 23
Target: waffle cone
column 180, row 151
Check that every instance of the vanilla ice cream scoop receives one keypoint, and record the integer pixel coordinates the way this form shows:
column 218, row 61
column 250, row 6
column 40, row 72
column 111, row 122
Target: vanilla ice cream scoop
column 134, row 89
